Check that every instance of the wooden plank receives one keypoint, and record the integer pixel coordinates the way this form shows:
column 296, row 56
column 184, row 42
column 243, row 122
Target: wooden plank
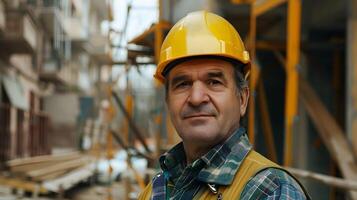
column 28, row 167
column 262, row 6
column 58, row 167
column 70, row 179
column 332, row 135
column 46, row 158
column 51, row 176
column 322, row 178
column 23, row 185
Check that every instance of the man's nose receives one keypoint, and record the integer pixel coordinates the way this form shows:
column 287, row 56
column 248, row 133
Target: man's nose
column 198, row 94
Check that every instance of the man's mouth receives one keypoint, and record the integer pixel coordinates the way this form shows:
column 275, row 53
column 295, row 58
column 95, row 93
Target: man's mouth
column 198, row 115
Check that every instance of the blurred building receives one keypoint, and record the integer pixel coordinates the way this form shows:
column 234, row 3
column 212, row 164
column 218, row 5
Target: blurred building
column 50, row 60
column 327, row 38
column 56, row 64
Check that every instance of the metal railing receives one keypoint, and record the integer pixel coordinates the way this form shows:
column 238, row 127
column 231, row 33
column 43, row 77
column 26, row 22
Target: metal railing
column 24, row 135
column 39, row 140
column 4, row 132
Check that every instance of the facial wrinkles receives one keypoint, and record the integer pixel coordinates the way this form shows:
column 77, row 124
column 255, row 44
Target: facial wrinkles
column 204, row 108
column 196, row 73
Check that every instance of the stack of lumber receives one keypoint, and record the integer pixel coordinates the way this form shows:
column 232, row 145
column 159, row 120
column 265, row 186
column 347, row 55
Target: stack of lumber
column 51, row 172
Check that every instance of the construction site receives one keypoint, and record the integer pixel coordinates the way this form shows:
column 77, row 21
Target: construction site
column 82, row 117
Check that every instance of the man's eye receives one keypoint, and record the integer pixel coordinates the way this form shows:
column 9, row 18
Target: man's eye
column 182, row 84
column 214, row 82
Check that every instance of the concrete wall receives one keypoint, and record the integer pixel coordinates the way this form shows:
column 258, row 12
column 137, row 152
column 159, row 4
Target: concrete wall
column 176, row 9
column 63, row 110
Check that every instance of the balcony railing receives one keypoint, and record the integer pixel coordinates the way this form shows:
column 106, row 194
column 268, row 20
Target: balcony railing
column 23, row 133
column 21, row 35
column 99, row 49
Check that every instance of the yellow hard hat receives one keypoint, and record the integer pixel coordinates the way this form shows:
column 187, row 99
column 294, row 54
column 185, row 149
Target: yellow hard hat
column 201, row 33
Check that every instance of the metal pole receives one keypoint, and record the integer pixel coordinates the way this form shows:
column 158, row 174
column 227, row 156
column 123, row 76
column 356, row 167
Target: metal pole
column 292, row 76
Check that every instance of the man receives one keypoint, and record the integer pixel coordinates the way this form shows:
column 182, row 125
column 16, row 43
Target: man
column 204, row 65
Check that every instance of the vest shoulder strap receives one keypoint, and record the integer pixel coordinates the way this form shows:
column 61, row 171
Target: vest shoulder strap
column 146, row 194
column 252, row 164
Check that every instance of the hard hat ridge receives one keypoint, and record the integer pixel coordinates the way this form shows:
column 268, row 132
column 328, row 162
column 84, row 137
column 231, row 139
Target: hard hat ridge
column 201, row 34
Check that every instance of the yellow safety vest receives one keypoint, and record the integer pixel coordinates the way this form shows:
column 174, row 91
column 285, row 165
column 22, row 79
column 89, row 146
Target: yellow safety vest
column 252, row 164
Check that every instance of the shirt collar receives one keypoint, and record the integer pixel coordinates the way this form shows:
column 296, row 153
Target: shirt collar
column 220, row 164
column 223, row 161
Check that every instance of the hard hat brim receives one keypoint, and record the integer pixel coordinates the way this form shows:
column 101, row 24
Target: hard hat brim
column 169, row 64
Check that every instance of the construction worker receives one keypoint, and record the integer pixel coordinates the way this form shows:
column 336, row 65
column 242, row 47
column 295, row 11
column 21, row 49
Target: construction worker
column 204, row 66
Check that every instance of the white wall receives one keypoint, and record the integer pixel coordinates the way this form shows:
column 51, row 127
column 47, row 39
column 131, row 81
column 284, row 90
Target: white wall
column 182, row 7
column 62, row 108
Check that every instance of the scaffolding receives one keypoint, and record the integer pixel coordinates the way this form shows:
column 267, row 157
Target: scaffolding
column 297, row 89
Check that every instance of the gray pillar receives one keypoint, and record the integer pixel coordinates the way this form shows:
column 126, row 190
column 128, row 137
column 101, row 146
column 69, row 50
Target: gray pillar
column 351, row 74
column 1, row 98
column 182, row 7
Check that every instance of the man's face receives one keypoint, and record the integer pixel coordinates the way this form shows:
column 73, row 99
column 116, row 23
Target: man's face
column 203, row 101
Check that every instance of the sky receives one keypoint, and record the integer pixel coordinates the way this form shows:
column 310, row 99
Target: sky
column 143, row 13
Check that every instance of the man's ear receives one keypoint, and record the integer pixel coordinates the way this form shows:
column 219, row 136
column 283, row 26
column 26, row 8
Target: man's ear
column 244, row 98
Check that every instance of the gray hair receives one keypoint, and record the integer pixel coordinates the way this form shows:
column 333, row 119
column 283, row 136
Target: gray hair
column 240, row 81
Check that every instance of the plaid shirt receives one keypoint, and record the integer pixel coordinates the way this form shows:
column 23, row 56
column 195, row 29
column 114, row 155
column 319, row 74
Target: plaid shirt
column 218, row 167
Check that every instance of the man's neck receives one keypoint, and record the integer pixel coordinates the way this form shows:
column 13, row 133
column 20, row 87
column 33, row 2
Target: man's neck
column 194, row 151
